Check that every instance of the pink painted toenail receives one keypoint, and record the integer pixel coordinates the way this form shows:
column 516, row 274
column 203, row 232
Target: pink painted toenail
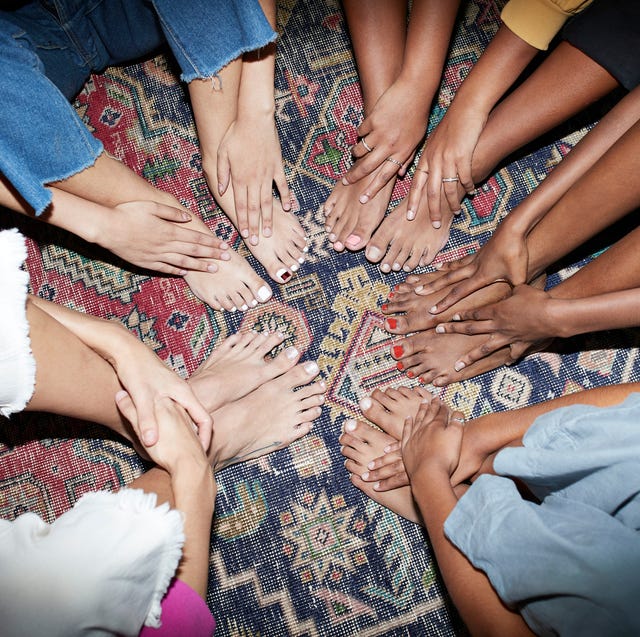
column 398, row 351
column 392, row 323
column 399, row 366
column 410, row 374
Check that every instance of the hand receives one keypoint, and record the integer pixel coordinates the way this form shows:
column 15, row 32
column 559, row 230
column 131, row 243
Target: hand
column 505, row 257
column 476, row 456
column 393, row 129
column 178, row 447
column 432, row 441
column 517, row 322
column 448, row 155
column 387, row 471
column 153, row 236
column 146, row 379
column 249, row 157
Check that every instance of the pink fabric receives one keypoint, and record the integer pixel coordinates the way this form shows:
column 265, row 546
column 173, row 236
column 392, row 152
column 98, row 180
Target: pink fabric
column 183, row 613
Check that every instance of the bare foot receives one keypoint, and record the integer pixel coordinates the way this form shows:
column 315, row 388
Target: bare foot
column 269, row 418
column 360, row 444
column 431, row 358
column 350, row 223
column 284, row 251
column 400, row 244
column 239, row 365
column 414, row 309
column 390, row 407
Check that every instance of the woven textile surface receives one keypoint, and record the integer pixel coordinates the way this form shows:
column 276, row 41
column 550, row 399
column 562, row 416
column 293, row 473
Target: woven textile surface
column 295, row 550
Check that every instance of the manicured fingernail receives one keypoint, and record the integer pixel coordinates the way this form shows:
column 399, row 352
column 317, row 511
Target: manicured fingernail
column 436, row 224
column 267, row 232
column 344, row 181
column 411, row 215
column 365, row 475
column 459, row 365
column 456, row 317
column 245, row 234
column 371, row 465
column 398, row 351
column 291, row 353
column 392, row 323
column 264, row 293
column 148, row 437
column 254, row 239
column 366, row 403
column 440, row 329
column 433, row 309
column 363, row 198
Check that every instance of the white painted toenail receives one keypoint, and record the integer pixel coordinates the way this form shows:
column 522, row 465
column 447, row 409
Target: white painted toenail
column 396, row 267
column 300, row 260
column 264, row 293
column 254, row 303
column 459, row 365
column 366, row 403
column 244, row 307
column 350, row 425
column 305, row 249
column 385, row 268
column 311, row 368
column 291, row 353
column 233, row 309
column 373, row 253
column 294, row 267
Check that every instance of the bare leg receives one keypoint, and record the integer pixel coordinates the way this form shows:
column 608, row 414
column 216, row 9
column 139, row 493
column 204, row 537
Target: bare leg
column 378, row 33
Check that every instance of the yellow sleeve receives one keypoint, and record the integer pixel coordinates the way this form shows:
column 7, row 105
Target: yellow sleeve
column 538, row 21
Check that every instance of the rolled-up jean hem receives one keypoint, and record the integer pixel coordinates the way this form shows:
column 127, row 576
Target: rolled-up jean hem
column 17, row 364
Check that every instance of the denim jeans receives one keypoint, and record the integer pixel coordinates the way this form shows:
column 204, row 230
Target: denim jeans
column 48, row 49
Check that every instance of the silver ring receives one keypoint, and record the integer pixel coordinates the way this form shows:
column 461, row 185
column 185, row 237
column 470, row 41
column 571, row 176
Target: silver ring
column 458, row 419
column 394, row 161
column 447, row 180
column 364, row 143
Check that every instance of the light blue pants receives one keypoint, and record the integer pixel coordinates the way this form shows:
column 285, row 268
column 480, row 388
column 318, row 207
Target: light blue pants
column 48, row 48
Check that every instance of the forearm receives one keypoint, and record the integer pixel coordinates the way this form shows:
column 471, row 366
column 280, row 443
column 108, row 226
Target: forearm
column 194, row 491
column 496, row 70
column 480, row 607
column 428, row 35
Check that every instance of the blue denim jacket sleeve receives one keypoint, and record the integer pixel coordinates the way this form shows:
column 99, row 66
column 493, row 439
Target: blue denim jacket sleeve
column 205, row 35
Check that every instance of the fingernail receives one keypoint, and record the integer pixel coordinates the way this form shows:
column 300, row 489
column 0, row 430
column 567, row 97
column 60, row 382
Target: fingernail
column 185, row 215
column 459, row 365
column 392, row 323
column 147, row 437
column 366, row 403
column 344, row 181
column 363, row 198
column 398, row 351
column 456, row 317
column 411, row 215
column 440, row 329
column 371, row 465
column 436, row 224
column 267, row 232
column 254, row 239
column 264, row 293
column 244, row 234
column 433, row 309
column 291, row 353
column 365, row 475
column 311, row 367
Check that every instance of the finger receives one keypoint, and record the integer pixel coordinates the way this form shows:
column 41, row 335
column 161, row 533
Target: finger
column 383, row 175
column 456, row 419
column 382, row 473
column 218, row 252
column 469, row 328
column 242, row 214
column 463, row 288
column 224, row 171
column 466, row 179
column 254, row 209
column 198, row 414
column 179, row 265
column 362, row 147
column 394, row 482
column 491, row 345
column 126, row 407
column 434, row 190
column 407, row 431
column 364, row 167
column 405, row 166
column 449, row 187
column 143, row 422
column 284, row 192
column 444, row 281
column 417, row 192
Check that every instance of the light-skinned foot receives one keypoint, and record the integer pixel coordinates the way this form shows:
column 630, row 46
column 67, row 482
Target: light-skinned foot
column 269, row 418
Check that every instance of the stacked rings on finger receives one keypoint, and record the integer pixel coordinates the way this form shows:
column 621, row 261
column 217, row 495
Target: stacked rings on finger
column 394, row 161
column 447, row 180
column 366, row 146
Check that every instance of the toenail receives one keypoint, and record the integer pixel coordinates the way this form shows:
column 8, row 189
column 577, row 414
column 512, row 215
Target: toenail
column 291, row 353
column 311, row 367
column 233, row 309
column 384, row 307
column 332, row 237
column 365, row 475
column 294, row 267
column 353, row 239
column 440, row 329
column 300, row 260
column 422, row 380
column 254, row 303
column 391, row 294
column 373, row 253
column 350, row 425
column 459, row 365
column 306, row 248
column 385, row 268
column 392, row 323
column 322, row 384
column 264, row 293
column 366, row 403
column 244, row 307
column 283, row 275
column 398, row 351
column 396, row 266
column 376, row 486
column 400, row 366
column 410, row 374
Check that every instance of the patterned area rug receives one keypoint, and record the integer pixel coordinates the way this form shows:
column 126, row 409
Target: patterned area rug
column 296, row 550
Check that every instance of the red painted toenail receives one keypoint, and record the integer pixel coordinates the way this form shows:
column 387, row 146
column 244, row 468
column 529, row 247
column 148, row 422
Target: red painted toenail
column 384, row 307
column 422, row 380
column 410, row 374
column 396, row 286
column 285, row 276
column 398, row 351
column 399, row 366
column 391, row 295
column 392, row 323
